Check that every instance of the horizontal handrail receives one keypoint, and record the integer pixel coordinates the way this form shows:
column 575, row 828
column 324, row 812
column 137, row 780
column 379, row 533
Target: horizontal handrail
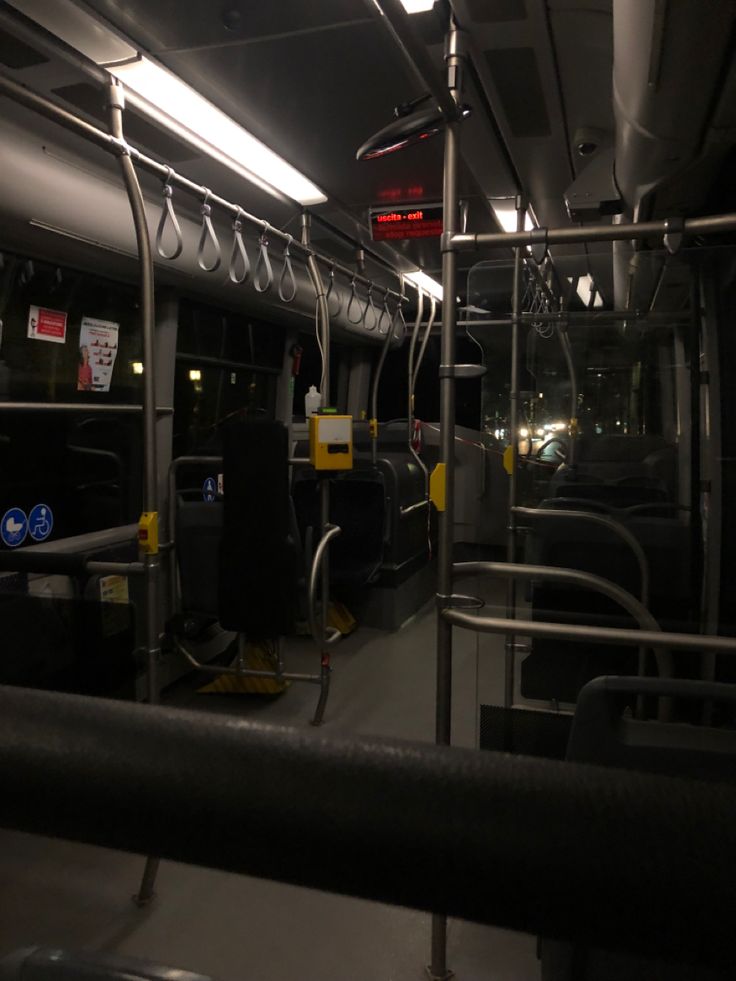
column 574, row 577
column 408, row 823
column 243, row 672
column 604, row 521
column 39, row 103
column 586, row 580
column 571, row 234
column 584, row 634
column 44, row 562
column 404, row 512
column 85, row 407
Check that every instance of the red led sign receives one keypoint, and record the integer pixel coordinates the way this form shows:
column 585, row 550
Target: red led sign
column 412, row 221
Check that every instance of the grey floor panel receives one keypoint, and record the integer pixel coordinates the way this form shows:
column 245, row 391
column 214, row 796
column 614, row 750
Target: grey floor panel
column 237, row 928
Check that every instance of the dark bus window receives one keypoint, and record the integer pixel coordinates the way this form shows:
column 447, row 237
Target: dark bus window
column 225, row 363
column 204, row 397
column 84, row 467
column 43, row 370
column 228, row 336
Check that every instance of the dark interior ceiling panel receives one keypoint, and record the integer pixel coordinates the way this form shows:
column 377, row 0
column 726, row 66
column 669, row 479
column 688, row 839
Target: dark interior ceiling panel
column 583, row 39
column 516, row 77
column 314, row 80
column 15, row 54
column 184, row 24
column 496, row 11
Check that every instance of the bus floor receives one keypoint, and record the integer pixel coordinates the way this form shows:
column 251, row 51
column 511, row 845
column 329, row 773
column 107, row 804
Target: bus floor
column 236, row 927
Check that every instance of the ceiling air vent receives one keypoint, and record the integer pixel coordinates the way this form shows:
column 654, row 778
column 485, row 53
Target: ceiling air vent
column 139, row 132
column 516, row 77
column 15, row 54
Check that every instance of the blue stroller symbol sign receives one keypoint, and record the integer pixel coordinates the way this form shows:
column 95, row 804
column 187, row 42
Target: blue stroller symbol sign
column 40, row 522
column 14, row 527
column 209, row 490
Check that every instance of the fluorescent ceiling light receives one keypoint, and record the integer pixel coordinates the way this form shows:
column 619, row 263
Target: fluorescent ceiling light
column 425, row 282
column 179, row 107
column 417, row 6
column 505, row 213
column 171, row 102
column 585, row 288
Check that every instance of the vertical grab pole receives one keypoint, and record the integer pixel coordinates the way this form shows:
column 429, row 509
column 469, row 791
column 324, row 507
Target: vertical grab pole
column 323, row 326
column 438, row 970
column 509, row 660
column 116, row 105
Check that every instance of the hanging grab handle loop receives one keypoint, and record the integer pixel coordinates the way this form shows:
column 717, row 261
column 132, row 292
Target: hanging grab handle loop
column 398, row 323
column 168, row 214
column 369, row 305
column 385, row 319
column 208, row 232
column 263, row 273
column 287, row 294
column 331, row 289
column 238, row 252
column 353, row 301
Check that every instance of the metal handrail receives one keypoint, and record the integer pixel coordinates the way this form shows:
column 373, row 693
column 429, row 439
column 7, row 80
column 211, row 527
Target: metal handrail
column 576, row 577
column 88, row 407
column 602, row 635
column 118, row 147
column 241, row 672
column 569, row 235
column 331, row 634
column 409, row 823
column 604, row 521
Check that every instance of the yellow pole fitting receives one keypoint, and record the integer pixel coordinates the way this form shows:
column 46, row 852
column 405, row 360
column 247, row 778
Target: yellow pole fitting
column 438, row 487
column 148, row 533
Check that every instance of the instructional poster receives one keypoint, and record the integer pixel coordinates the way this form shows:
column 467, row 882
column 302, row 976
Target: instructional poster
column 98, row 348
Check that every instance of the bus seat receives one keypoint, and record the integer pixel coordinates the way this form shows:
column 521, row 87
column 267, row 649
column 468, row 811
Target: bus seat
column 645, row 466
column 557, row 669
column 357, row 506
column 601, row 734
column 258, row 556
column 198, row 535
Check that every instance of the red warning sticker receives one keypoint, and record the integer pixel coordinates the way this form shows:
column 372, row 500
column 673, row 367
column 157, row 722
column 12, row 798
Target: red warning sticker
column 47, row 325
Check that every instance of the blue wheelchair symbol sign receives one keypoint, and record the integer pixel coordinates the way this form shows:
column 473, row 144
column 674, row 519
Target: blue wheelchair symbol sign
column 40, row 522
column 14, row 527
column 209, row 490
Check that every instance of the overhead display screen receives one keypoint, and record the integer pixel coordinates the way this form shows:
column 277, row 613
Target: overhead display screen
column 411, row 221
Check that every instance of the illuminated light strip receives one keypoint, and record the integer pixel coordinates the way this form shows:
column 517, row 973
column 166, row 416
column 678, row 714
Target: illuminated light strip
column 422, row 281
column 172, row 103
column 506, row 217
column 176, row 105
column 585, row 288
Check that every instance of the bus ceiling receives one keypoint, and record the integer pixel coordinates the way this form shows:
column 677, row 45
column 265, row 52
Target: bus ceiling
column 567, row 111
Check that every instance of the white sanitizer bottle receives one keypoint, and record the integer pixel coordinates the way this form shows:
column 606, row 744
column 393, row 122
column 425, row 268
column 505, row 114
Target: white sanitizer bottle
column 312, row 401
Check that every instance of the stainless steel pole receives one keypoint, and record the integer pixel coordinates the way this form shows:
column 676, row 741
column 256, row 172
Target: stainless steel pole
column 323, row 329
column 509, row 659
column 116, row 103
column 443, row 722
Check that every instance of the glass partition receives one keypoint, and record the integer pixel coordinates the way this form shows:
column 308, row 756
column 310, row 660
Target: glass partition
column 623, row 464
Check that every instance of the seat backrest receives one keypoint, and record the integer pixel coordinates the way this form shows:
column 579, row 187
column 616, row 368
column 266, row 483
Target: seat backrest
column 601, row 734
column 258, row 556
